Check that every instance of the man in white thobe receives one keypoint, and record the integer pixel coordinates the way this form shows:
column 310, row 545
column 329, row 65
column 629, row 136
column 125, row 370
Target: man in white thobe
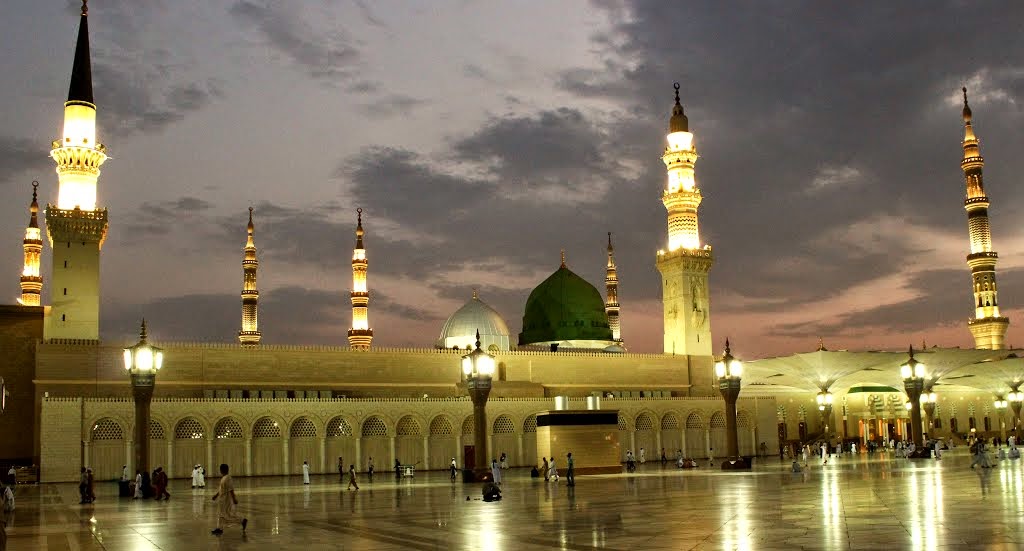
column 195, row 476
column 824, row 454
column 124, row 473
column 305, row 472
column 643, row 456
column 496, row 471
column 202, row 475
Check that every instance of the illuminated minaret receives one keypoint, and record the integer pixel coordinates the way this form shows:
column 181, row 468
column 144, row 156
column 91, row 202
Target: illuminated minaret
column 250, row 333
column 987, row 326
column 360, row 335
column 75, row 226
column 685, row 264
column 611, row 285
column 31, row 279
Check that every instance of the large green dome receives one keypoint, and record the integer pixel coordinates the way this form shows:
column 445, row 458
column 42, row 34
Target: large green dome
column 564, row 307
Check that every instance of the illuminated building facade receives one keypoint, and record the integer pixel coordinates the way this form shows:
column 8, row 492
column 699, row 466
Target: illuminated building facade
column 685, row 264
column 250, row 333
column 987, row 326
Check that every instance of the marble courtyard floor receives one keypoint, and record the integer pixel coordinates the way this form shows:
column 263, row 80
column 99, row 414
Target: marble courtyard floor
column 862, row 503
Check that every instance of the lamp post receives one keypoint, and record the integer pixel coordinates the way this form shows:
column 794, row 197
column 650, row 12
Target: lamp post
column 928, row 399
column 729, row 370
column 478, row 367
column 1016, row 398
column 825, row 407
column 913, row 383
column 142, row 361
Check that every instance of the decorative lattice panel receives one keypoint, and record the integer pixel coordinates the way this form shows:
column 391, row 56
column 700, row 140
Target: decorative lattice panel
column 408, row 426
column 374, row 426
column 622, row 422
column 156, row 430
column 669, row 421
column 188, row 428
column 742, row 420
column 781, row 413
column 303, row 428
column 693, row 421
column 107, row 429
column 530, row 425
column 644, row 422
column 441, row 426
column 503, row 425
column 467, row 426
column 338, row 427
column 227, row 428
column 266, row 427
column 717, row 421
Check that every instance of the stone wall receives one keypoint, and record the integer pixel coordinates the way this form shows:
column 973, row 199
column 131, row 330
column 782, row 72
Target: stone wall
column 20, row 328
column 274, row 436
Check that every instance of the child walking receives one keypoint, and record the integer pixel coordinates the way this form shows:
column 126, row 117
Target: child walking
column 227, row 511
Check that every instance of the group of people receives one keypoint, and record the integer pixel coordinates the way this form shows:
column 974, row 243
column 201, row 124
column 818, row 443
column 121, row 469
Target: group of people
column 198, row 476
column 351, row 471
column 550, row 470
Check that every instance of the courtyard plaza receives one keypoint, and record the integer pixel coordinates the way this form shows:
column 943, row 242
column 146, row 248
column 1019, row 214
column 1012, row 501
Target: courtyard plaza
column 867, row 502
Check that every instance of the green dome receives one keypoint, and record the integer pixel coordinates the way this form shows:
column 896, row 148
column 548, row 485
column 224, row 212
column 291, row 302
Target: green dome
column 564, row 307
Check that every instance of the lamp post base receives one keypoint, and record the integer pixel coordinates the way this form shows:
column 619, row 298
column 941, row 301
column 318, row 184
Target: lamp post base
column 735, row 464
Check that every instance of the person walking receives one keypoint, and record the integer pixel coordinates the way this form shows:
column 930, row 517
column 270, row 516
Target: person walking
column 453, row 467
column 824, row 453
column 83, row 487
column 341, row 470
column 124, row 473
column 160, row 482
column 352, row 477
column 570, row 471
column 227, row 512
column 545, row 468
column 92, row 485
column 398, row 470
column 202, row 476
column 495, row 471
column 504, row 461
column 643, row 456
column 138, row 485
column 305, row 472
column 553, row 470
column 369, row 471
column 195, row 477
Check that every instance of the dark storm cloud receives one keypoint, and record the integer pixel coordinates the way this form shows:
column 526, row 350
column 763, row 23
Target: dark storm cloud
column 324, row 54
column 160, row 217
column 132, row 104
column 18, row 156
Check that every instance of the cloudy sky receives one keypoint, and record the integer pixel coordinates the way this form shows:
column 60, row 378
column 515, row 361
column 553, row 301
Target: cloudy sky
column 482, row 138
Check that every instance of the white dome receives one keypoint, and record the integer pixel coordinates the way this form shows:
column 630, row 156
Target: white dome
column 460, row 329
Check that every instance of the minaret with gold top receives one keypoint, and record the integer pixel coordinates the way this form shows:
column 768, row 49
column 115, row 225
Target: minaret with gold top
column 987, row 326
column 360, row 336
column 76, row 225
column 31, row 279
column 685, row 264
column 250, row 333
column 611, row 285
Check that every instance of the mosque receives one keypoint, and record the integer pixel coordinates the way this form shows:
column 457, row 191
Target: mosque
column 268, row 408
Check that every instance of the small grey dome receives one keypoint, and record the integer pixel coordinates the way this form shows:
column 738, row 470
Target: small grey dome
column 460, row 329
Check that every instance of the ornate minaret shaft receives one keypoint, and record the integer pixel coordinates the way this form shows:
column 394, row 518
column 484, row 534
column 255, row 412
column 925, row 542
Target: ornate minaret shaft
column 684, row 266
column 360, row 336
column 75, row 226
column 987, row 326
column 31, row 279
column 250, row 333
column 611, row 284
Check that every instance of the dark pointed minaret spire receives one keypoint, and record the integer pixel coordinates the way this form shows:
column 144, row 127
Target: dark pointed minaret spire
column 81, row 72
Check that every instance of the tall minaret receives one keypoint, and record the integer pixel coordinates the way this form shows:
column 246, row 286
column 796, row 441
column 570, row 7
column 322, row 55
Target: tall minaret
column 987, row 326
column 360, row 335
column 611, row 285
column 685, row 264
column 31, row 279
column 75, row 226
column 250, row 333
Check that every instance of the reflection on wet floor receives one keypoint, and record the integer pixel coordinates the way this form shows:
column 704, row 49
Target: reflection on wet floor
column 865, row 502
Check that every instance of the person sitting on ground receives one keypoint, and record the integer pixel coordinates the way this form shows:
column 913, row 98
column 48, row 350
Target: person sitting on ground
column 491, row 492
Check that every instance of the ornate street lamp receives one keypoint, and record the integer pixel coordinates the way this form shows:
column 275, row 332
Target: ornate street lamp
column 928, row 399
column 478, row 367
column 825, row 407
column 1016, row 398
column 142, row 361
column 729, row 371
column 913, row 383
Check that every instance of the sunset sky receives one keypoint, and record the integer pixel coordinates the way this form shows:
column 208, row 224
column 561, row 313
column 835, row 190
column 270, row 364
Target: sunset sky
column 481, row 138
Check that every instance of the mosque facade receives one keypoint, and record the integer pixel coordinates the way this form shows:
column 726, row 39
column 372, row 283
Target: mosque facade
column 268, row 408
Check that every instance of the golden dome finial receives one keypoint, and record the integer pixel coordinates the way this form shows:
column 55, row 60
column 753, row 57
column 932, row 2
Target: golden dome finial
column 475, row 295
column 610, row 249
column 678, row 122
column 250, row 227
column 563, row 258
column 821, row 345
column 143, row 334
column 85, row 7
